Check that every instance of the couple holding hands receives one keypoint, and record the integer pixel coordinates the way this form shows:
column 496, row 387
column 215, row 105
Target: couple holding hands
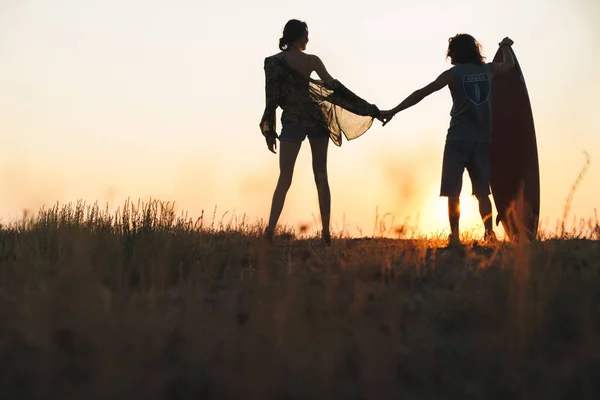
column 324, row 109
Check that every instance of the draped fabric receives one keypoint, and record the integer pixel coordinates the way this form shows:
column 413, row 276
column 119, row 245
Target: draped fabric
column 310, row 102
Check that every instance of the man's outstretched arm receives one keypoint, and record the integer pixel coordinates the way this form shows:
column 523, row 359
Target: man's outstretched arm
column 445, row 78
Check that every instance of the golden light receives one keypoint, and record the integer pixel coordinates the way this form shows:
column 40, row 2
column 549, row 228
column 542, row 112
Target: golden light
column 435, row 214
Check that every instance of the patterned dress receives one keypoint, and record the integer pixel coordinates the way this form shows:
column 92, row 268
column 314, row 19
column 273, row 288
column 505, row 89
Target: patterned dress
column 308, row 102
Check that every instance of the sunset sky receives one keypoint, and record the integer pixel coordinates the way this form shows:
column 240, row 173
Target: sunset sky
column 104, row 100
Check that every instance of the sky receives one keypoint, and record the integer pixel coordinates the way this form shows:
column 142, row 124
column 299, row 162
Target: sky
column 107, row 100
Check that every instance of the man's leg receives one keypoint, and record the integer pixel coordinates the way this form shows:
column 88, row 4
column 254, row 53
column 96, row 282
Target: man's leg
column 453, row 167
column 479, row 171
column 485, row 210
column 454, row 217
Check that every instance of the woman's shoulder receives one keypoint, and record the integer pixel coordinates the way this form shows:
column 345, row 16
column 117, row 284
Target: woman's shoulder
column 273, row 61
column 275, row 57
column 314, row 61
column 281, row 56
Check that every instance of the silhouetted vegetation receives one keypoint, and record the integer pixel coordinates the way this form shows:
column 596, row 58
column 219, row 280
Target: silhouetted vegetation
column 144, row 304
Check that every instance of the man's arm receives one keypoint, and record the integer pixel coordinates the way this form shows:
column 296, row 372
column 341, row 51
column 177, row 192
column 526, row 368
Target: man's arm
column 441, row 81
column 508, row 61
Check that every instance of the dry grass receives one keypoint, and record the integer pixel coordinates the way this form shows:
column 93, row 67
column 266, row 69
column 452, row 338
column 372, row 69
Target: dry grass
column 142, row 304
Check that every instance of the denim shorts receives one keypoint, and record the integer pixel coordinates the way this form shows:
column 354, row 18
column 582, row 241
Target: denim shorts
column 461, row 154
column 296, row 133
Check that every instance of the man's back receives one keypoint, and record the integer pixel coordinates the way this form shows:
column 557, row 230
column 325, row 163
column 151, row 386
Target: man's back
column 471, row 114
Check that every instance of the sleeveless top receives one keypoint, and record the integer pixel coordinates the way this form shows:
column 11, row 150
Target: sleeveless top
column 471, row 114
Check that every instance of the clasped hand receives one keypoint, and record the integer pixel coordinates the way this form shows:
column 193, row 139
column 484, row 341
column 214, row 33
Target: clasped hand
column 385, row 116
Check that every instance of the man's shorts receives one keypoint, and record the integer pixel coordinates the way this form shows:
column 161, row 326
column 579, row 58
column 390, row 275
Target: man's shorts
column 461, row 154
column 296, row 133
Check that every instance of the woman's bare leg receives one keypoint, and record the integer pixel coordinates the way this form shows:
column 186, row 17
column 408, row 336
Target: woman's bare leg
column 318, row 148
column 288, row 152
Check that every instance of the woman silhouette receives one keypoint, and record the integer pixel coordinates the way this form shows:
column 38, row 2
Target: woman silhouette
column 317, row 109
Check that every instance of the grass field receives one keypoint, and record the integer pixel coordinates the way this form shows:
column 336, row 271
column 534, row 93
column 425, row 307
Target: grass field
column 140, row 304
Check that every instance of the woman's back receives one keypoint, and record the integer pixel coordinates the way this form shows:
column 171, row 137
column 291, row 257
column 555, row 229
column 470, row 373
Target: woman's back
column 290, row 85
column 299, row 61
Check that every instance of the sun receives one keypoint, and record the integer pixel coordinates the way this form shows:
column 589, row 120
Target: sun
column 435, row 214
